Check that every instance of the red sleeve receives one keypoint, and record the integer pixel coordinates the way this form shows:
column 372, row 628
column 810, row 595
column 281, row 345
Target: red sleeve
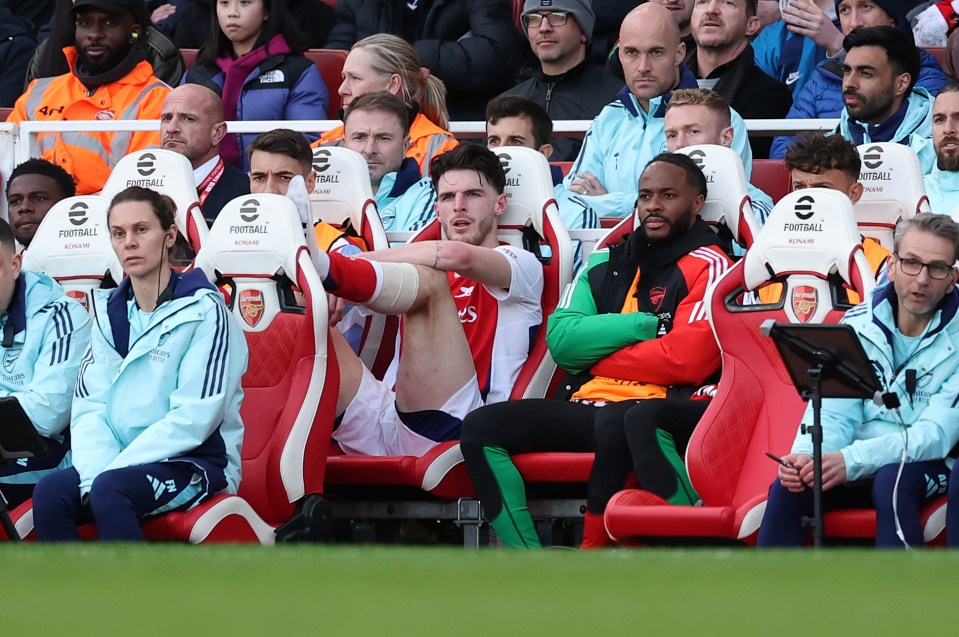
column 688, row 354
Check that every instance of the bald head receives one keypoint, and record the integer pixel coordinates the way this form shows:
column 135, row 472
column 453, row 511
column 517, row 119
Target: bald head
column 651, row 51
column 191, row 123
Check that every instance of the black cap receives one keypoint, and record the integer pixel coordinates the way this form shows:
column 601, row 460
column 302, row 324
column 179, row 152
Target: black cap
column 115, row 7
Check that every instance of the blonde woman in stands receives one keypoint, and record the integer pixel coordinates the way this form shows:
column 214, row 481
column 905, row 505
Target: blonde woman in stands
column 384, row 62
column 253, row 61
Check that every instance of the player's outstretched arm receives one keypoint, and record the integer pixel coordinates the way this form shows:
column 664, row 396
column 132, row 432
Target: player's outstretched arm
column 483, row 265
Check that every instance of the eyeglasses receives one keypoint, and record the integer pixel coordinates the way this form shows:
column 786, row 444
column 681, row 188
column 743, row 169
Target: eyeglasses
column 913, row 267
column 554, row 18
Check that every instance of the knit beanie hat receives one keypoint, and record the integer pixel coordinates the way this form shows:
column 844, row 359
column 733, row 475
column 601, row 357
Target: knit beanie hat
column 581, row 10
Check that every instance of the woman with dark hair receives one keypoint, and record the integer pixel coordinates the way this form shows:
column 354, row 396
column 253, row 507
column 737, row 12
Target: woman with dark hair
column 253, row 61
column 49, row 61
column 155, row 422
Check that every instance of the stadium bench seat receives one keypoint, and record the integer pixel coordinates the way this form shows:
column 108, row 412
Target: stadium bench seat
column 329, row 62
column 168, row 173
column 285, row 442
column 189, row 57
column 771, row 176
column 532, row 221
column 72, row 245
column 893, row 189
column 343, row 197
column 5, row 113
column 756, row 408
column 938, row 52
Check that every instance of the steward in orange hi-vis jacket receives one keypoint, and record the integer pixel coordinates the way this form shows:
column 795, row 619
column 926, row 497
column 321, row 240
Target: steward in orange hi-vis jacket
column 109, row 79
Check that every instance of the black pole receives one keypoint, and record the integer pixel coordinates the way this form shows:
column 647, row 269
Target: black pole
column 815, row 430
column 6, row 522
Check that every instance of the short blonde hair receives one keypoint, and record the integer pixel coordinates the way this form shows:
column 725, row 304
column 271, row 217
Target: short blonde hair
column 701, row 97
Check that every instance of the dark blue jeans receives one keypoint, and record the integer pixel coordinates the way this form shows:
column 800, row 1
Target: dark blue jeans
column 921, row 483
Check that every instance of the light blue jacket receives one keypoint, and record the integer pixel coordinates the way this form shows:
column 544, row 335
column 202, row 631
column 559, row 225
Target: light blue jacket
column 173, row 393
column 914, row 131
column 867, row 434
column 942, row 188
column 404, row 200
column 618, row 145
column 45, row 334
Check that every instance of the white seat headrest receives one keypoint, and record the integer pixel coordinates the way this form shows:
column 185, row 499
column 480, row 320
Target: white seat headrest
column 727, row 191
column 529, row 187
column 164, row 171
column 342, row 187
column 73, row 241
column 809, row 231
column 893, row 189
column 254, row 235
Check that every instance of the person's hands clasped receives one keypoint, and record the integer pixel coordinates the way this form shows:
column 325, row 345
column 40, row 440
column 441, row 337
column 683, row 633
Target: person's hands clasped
column 805, row 18
column 587, row 184
column 790, row 476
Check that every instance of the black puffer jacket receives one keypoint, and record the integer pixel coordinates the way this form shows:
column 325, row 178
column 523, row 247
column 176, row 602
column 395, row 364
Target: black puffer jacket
column 472, row 45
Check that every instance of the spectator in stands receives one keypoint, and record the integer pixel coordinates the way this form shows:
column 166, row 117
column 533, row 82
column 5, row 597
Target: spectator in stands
column 908, row 322
column 49, row 59
column 16, row 48
column 314, row 18
column 723, row 61
column 377, row 127
column 663, row 348
column 789, row 49
column 471, row 45
column 253, row 61
column 385, row 62
column 191, row 123
column 821, row 97
column 629, row 131
column 942, row 184
column 610, row 15
column 45, row 336
column 109, row 78
column 33, row 188
column 878, row 86
column 566, row 82
column 512, row 120
column 276, row 158
column 701, row 116
column 469, row 307
column 139, row 453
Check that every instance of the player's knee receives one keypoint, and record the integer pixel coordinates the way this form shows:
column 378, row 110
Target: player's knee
column 107, row 487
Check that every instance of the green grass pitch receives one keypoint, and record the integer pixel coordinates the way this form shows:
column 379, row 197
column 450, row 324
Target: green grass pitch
column 352, row 590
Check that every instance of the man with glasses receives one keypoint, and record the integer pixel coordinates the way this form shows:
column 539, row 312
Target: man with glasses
column 870, row 455
column 566, row 83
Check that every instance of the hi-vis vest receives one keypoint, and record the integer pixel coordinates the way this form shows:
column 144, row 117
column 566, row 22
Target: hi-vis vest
column 87, row 156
